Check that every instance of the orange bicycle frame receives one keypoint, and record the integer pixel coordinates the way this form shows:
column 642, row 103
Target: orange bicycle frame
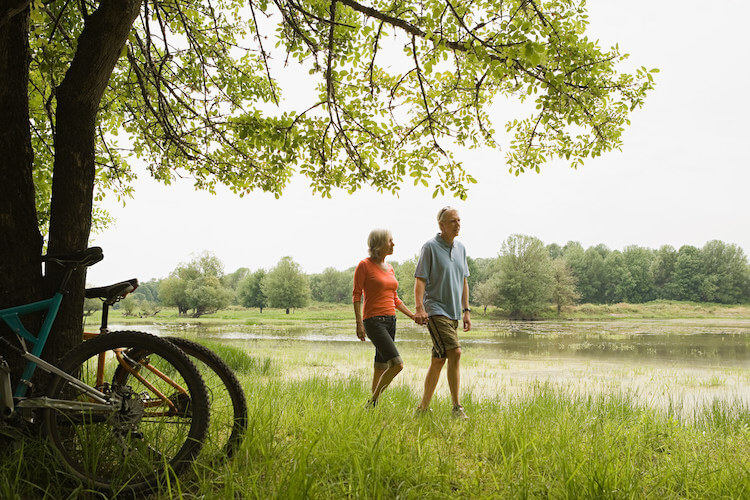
column 163, row 399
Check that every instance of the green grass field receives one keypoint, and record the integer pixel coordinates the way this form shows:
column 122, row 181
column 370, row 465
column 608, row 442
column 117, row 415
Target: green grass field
column 313, row 439
column 578, row 432
column 310, row 437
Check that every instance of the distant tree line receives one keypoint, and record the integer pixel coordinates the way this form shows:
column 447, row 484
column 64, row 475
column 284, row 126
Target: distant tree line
column 525, row 278
column 201, row 287
column 527, row 275
column 718, row 272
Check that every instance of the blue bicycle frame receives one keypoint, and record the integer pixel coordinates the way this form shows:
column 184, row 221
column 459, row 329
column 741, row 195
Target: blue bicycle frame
column 11, row 316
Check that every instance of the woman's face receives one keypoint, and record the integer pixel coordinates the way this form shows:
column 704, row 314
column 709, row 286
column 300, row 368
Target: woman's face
column 387, row 248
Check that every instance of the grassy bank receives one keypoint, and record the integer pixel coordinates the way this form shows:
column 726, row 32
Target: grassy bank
column 658, row 309
column 585, row 435
column 313, row 439
column 335, row 313
column 549, row 426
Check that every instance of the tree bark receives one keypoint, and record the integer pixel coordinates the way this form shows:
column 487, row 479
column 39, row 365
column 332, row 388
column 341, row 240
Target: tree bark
column 78, row 97
column 20, row 240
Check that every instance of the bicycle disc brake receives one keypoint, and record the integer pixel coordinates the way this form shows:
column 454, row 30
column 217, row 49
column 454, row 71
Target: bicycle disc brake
column 127, row 419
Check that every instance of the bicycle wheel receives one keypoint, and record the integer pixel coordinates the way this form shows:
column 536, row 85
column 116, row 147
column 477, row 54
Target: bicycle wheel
column 226, row 400
column 155, row 420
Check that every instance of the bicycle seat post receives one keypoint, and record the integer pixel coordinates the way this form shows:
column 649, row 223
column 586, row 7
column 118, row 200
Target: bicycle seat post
column 69, row 269
column 110, row 295
column 104, row 328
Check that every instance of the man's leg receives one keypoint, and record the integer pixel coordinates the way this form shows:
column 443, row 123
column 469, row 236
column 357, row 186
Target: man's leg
column 454, row 373
column 430, row 381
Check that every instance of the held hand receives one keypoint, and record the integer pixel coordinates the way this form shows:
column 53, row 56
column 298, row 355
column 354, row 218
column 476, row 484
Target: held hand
column 361, row 332
column 420, row 317
column 467, row 321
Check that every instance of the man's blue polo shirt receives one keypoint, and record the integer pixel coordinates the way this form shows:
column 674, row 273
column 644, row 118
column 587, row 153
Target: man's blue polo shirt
column 444, row 269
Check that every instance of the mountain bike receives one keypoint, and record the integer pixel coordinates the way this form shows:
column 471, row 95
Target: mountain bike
column 122, row 410
column 227, row 402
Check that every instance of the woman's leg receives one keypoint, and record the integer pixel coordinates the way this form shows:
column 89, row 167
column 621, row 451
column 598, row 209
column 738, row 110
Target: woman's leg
column 386, row 379
column 377, row 374
column 382, row 332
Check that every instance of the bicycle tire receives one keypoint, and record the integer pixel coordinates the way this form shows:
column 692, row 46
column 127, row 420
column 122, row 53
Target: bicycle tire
column 228, row 421
column 135, row 447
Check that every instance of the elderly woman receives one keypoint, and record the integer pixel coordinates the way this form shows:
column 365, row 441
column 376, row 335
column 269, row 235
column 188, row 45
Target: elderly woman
column 377, row 281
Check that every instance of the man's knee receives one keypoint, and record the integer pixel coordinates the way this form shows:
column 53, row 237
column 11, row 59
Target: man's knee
column 454, row 355
column 438, row 362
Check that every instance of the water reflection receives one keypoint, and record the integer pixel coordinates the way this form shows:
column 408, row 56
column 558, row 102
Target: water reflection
column 699, row 341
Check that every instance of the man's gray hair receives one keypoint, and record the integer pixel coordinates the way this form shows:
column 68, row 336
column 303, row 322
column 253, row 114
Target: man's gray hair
column 443, row 211
column 377, row 239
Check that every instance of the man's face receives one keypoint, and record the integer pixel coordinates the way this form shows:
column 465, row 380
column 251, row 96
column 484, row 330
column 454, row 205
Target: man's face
column 450, row 224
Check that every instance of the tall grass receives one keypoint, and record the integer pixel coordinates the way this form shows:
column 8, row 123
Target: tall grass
column 313, row 438
column 240, row 361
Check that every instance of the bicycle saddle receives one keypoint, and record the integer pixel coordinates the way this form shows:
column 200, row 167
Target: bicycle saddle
column 112, row 293
column 86, row 258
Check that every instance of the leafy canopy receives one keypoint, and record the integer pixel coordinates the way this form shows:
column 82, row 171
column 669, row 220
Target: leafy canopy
column 394, row 89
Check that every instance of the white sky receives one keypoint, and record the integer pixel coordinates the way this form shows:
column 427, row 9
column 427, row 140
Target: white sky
column 681, row 178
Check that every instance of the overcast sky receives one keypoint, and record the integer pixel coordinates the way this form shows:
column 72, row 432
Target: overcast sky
column 682, row 177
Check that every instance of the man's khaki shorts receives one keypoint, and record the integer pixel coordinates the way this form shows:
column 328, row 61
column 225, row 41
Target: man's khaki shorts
column 444, row 333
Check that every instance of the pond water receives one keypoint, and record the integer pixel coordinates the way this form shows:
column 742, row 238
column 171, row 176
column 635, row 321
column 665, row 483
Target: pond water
column 690, row 341
column 674, row 364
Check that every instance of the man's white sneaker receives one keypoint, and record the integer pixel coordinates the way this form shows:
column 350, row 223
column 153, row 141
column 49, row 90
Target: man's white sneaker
column 458, row 412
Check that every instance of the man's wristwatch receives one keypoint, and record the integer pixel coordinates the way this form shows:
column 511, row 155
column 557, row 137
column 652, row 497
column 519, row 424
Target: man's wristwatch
column 467, row 310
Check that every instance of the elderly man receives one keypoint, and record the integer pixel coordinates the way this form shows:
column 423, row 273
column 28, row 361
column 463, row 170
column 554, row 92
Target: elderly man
column 441, row 295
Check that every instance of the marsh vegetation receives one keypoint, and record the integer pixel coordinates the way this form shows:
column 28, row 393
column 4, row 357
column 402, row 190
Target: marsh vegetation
column 583, row 409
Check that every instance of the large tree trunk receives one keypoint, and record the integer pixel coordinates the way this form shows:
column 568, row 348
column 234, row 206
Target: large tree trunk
column 20, row 240
column 99, row 46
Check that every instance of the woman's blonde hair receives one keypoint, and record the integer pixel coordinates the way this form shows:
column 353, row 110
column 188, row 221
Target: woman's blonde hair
column 377, row 239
